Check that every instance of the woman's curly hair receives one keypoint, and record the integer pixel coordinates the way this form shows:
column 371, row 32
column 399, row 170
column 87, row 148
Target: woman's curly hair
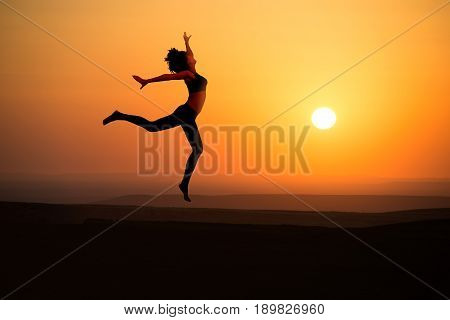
column 176, row 60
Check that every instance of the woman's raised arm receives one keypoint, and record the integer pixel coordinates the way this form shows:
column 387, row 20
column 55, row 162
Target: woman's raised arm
column 186, row 42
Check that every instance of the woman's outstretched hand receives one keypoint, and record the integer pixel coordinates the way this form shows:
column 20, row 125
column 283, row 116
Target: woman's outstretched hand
column 186, row 37
column 141, row 81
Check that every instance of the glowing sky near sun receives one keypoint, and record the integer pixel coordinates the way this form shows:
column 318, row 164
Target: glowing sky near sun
column 260, row 57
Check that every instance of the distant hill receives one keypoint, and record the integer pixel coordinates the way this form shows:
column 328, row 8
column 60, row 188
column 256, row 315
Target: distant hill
column 341, row 203
column 15, row 212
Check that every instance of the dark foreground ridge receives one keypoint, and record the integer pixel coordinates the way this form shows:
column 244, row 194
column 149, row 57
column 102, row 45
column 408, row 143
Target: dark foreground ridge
column 192, row 260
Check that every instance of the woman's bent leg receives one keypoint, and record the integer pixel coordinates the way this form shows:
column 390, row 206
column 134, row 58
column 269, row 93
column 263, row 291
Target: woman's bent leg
column 163, row 123
column 193, row 136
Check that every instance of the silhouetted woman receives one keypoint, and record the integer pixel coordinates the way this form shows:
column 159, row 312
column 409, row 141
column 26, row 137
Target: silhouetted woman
column 182, row 67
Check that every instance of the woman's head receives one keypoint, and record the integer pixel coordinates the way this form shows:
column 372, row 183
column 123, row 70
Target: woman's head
column 176, row 60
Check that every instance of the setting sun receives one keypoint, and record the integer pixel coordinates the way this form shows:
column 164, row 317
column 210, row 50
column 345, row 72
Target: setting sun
column 323, row 118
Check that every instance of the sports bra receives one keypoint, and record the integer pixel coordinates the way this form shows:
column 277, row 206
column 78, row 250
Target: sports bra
column 197, row 84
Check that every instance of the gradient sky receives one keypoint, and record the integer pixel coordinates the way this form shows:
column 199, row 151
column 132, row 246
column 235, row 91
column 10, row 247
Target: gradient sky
column 260, row 57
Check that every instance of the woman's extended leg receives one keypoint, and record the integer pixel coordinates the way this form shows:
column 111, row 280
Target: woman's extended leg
column 163, row 123
column 193, row 136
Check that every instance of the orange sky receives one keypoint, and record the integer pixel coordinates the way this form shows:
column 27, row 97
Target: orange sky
column 260, row 57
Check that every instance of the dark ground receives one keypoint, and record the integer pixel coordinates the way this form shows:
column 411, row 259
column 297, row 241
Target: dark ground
column 192, row 260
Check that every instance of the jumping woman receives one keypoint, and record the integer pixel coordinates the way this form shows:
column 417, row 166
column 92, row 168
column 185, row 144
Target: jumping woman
column 182, row 67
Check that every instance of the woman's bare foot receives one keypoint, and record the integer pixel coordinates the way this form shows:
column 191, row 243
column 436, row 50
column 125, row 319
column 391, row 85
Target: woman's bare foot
column 111, row 118
column 184, row 189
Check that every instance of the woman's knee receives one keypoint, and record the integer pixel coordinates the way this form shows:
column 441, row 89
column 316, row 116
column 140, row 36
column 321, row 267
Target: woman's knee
column 197, row 149
column 152, row 127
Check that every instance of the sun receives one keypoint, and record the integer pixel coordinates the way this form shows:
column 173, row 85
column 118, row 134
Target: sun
column 323, row 118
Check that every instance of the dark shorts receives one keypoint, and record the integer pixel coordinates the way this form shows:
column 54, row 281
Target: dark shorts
column 185, row 113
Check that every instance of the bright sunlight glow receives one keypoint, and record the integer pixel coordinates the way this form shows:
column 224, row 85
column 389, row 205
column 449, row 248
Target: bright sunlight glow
column 323, row 118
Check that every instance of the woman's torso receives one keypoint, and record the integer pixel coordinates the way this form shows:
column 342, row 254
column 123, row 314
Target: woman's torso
column 197, row 92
